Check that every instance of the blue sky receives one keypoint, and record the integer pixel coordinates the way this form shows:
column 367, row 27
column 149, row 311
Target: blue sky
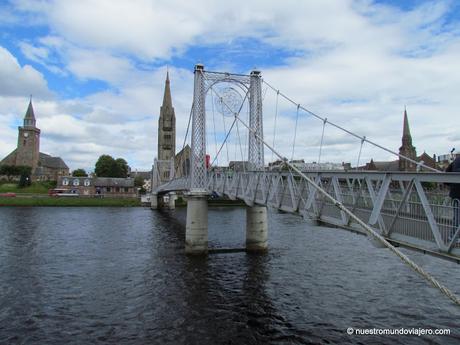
column 96, row 70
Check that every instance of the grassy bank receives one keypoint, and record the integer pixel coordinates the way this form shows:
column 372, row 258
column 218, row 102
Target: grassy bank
column 35, row 188
column 54, row 201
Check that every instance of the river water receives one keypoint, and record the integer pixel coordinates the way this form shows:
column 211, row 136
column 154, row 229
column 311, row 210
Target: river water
column 119, row 276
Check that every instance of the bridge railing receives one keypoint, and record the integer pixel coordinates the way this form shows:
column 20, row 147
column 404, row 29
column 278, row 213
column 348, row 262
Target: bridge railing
column 411, row 208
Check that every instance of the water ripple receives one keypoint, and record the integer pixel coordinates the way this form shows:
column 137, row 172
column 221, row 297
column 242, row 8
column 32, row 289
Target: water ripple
column 120, row 276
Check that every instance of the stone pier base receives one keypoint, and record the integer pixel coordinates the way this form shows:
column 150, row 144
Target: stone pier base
column 196, row 230
column 256, row 228
column 154, row 201
column 172, row 201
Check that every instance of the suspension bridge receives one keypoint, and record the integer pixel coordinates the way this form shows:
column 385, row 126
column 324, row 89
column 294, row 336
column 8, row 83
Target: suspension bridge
column 408, row 209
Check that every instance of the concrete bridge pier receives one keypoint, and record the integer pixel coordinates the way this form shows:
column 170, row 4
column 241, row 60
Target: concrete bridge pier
column 196, row 229
column 256, row 229
column 154, row 201
column 172, row 201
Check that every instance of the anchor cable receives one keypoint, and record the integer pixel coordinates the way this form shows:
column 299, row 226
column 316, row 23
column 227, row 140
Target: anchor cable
column 365, row 227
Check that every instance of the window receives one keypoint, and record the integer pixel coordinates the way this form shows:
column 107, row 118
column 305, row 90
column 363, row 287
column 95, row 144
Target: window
column 126, row 189
column 65, row 182
column 76, row 182
column 87, row 182
column 117, row 189
column 166, row 174
column 108, row 189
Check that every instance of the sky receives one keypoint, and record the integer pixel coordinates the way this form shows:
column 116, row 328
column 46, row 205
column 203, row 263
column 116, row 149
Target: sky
column 96, row 72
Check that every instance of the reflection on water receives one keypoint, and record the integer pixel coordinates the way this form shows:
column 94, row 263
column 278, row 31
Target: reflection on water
column 119, row 275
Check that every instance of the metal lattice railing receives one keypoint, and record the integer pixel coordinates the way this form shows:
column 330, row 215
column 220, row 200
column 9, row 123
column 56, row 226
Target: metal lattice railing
column 407, row 207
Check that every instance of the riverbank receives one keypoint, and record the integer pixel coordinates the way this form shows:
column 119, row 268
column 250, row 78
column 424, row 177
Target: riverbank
column 44, row 200
column 68, row 201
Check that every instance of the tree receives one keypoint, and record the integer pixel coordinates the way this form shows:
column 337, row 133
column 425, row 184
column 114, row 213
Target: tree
column 79, row 173
column 106, row 166
column 25, row 179
column 14, row 170
column 138, row 181
column 122, row 167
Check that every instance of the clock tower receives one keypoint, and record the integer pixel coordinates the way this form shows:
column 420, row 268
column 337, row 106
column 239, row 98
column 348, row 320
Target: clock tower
column 28, row 150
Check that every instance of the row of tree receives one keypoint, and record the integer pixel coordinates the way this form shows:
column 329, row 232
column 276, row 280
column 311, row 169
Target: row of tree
column 106, row 166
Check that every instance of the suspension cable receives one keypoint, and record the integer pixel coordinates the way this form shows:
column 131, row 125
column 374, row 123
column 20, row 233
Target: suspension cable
column 185, row 140
column 360, row 150
column 264, row 93
column 214, row 124
column 371, row 232
column 352, row 133
column 223, row 143
column 231, row 127
column 295, row 131
column 276, row 115
column 241, row 147
column 366, row 227
column 321, row 143
column 225, row 129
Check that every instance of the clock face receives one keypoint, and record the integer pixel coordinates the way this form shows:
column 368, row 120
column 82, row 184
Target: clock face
column 26, row 135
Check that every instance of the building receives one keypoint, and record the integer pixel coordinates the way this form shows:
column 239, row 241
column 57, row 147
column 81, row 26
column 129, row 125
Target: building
column 166, row 133
column 146, row 177
column 98, row 186
column 27, row 152
column 239, row 165
column 182, row 162
column 300, row 164
column 407, row 150
column 166, row 156
column 382, row 165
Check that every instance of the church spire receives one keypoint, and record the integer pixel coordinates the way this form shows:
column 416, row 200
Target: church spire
column 406, row 148
column 167, row 126
column 29, row 118
column 167, row 100
column 406, row 138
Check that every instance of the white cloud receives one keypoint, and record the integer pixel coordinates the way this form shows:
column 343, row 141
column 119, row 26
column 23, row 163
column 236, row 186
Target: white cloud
column 89, row 64
column 19, row 81
column 355, row 62
column 33, row 53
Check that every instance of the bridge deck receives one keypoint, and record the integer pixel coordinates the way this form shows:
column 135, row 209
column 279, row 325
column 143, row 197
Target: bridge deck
column 411, row 209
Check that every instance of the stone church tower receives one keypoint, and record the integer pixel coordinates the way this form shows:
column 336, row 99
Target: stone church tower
column 166, row 130
column 407, row 149
column 27, row 153
column 28, row 149
column 167, row 126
